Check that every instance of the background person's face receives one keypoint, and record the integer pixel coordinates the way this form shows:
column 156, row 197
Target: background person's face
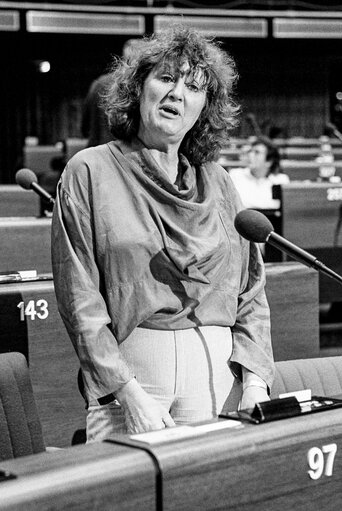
column 171, row 103
column 257, row 160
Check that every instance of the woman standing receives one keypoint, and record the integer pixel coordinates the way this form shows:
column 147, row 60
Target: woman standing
column 162, row 299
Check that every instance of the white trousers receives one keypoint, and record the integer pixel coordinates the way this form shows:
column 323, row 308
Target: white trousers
column 185, row 370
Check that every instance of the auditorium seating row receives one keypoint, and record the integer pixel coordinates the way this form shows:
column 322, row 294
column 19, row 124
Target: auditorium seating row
column 297, row 142
column 298, row 156
column 308, row 154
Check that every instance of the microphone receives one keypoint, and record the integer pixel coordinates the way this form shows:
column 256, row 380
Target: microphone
column 254, row 226
column 27, row 179
column 332, row 128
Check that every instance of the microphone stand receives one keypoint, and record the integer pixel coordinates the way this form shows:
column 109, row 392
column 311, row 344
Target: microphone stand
column 301, row 255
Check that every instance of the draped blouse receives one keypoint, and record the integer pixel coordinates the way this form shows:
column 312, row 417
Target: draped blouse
column 132, row 249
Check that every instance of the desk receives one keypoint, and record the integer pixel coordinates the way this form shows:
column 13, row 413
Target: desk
column 248, row 467
column 311, row 217
column 254, row 468
column 41, row 336
column 15, row 201
column 25, row 244
column 292, row 293
column 38, row 158
column 299, row 170
column 86, row 478
column 307, row 153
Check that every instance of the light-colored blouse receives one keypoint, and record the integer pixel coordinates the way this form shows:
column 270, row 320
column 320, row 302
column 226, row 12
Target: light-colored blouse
column 257, row 192
column 130, row 248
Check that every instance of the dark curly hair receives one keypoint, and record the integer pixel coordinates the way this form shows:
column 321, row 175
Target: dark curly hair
column 179, row 44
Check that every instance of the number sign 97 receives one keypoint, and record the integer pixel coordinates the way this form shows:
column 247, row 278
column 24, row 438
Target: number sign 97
column 321, row 460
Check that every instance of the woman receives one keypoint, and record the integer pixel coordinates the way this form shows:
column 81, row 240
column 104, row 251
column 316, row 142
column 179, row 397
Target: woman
column 255, row 182
column 162, row 299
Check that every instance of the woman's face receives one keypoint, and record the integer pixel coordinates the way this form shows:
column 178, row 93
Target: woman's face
column 171, row 102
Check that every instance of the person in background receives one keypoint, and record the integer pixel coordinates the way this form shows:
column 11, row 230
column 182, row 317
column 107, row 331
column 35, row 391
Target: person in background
column 94, row 125
column 255, row 181
column 163, row 300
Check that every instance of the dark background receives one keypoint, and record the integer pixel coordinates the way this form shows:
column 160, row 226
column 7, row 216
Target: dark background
column 289, row 84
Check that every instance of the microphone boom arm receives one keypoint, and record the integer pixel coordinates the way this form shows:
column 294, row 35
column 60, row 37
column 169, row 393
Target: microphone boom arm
column 301, row 255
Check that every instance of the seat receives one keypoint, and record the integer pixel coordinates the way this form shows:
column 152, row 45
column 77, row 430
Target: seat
column 322, row 375
column 20, row 427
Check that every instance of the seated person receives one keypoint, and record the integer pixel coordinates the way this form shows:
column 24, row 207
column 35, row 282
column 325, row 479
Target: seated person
column 254, row 182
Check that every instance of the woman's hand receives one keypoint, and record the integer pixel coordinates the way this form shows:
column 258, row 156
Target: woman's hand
column 142, row 412
column 252, row 395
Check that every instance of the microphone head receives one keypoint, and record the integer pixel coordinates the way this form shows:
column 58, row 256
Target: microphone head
column 25, row 178
column 253, row 225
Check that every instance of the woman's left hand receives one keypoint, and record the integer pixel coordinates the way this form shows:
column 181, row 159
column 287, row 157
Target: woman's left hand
column 252, row 395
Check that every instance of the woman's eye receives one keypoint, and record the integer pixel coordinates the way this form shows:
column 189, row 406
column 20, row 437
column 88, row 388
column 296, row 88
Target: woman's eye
column 193, row 86
column 167, row 78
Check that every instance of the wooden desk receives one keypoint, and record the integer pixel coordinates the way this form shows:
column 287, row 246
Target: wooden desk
column 38, row 158
column 311, row 215
column 292, row 293
column 25, row 244
column 307, row 153
column 306, row 170
column 41, row 336
column 15, row 201
column 86, row 478
column 244, row 467
column 254, row 468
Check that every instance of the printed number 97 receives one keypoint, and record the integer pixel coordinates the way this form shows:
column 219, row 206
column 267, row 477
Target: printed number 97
column 319, row 463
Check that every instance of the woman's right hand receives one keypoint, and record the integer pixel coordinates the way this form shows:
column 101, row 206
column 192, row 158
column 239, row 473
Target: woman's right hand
column 142, row 412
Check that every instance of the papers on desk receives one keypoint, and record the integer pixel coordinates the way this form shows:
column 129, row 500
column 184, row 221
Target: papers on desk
column 301, row 395
column 17, row 275
column 180, row 432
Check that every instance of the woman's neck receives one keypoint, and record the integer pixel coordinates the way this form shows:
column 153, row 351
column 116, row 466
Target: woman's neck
column 167, row 162
column 166, row 158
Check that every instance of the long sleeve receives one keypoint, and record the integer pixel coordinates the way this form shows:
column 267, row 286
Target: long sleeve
column 252, row 346
column 81, row 304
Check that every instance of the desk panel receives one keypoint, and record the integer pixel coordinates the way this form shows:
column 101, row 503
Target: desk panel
column 255, row 468
column 310, row 213
column 243, row 467
column 311, row 217
column 25, row 244
column 292, row 293
column 30, row 323
column 90, row 477
column 38, row 158
column 306, row 170
column 15, row 201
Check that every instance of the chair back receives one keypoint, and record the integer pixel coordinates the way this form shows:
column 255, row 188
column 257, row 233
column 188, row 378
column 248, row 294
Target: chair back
column 20, row 428
column 322, row 375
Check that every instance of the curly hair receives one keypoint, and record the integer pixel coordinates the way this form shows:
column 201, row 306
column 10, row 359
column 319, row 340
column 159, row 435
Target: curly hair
column 175, row 46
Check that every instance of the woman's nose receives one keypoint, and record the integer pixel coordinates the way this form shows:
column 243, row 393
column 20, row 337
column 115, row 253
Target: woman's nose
column 177, row 90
